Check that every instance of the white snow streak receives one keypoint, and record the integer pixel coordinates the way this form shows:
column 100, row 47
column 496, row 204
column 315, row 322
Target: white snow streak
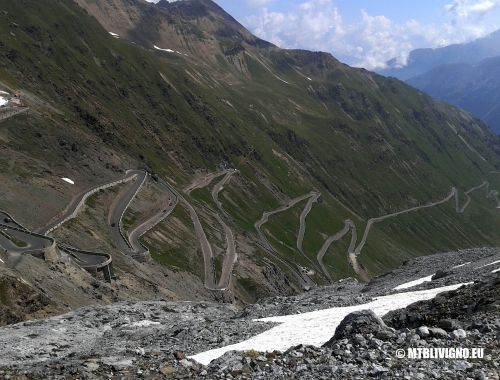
column 144, row 323
column 487, row 265
column 411, row 284
column 114, row 34
column 496, row 270
column 317, row 327
column 461, row 265
column 3, row 101
column 68, row 180
column 169, row 50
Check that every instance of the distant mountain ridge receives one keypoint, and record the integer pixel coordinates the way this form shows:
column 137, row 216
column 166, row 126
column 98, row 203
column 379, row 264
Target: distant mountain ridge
column 423, row 60
column 473, row 87
column 465, row 75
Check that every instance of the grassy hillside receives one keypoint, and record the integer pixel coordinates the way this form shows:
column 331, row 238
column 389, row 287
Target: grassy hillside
column 290, row 121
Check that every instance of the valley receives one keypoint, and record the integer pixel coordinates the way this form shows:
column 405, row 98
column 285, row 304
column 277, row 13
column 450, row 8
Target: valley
column 180, row 198
column 232, row 172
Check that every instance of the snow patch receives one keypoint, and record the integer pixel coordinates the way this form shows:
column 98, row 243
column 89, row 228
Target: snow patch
column 169, row 50
column 487, row 265
column 3, row 262
column 317, row 327
column 68, row 180
column 114, row 34
column 3, row 101
column 411, row 284
column 309, row 79
column 461, row 265
column 493, row 271
column 144, row 323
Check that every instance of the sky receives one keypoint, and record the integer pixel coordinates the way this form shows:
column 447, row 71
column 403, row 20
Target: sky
column 366, row 33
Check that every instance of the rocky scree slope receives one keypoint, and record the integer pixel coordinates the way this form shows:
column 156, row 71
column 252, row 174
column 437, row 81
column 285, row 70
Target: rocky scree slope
column 153, row 339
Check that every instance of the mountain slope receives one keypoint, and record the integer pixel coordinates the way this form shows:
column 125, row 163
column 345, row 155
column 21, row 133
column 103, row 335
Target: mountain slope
column 423, row 60
column 473, row 87
column 290, row 121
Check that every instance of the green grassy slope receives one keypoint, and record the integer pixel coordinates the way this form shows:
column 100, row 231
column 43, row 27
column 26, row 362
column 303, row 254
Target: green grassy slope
column 371, row 145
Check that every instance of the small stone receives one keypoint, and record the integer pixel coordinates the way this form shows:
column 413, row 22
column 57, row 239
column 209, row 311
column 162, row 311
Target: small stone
column 185, row 363
column 301, row 368
column 167, row 371
column 179, row 355
column 461, row 365
column 423, row 331
column 359, row 339
column 449, row 324
column 459, row 334
column 378, row 370
column 437, row 332
column 91, row 366
column 480, row 375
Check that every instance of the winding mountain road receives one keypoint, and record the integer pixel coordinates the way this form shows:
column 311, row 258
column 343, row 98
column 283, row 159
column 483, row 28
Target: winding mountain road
column 136, row 234
column 302, row 229
column 204, row 181
column 120, row 205
column 20, row 241
column 76, row 204
column 355, row 251
column 305, row 281
column 231, row 256
column 461, row 210
column 348, row 226
column 372, row 221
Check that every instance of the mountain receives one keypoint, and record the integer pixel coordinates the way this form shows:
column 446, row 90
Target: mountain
column 473, row 87
column 251, row 170
column 422, row 60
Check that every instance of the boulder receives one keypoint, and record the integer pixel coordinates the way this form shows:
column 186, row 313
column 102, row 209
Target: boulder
column 459, row 334
column 423, row 331
column 438, row 333
column 440, row 274
column 449, row 324
column 362, row 322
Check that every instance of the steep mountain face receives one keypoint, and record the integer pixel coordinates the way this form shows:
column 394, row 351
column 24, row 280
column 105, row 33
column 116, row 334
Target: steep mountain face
column 473, row 87
column 200, row 29
column 293, row 123
column 422, row 60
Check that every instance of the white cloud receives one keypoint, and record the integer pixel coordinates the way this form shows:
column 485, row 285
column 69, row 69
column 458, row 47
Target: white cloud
column 258, row 3
column 373, row 39
column 467, row 8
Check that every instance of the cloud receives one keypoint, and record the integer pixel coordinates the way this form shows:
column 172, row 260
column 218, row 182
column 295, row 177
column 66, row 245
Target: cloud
column 258, row 3
column 463, row 9
column 372, row 40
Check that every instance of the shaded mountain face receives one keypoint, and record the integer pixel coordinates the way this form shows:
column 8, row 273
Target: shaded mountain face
column 473, row 87
column 291, row 121
column 422, row 60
